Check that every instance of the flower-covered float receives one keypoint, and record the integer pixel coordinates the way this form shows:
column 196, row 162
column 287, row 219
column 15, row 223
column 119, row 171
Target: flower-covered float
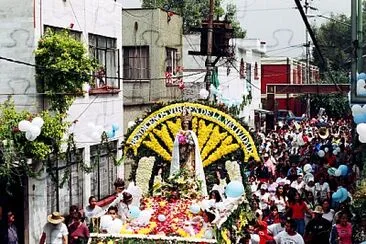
column 186, row 157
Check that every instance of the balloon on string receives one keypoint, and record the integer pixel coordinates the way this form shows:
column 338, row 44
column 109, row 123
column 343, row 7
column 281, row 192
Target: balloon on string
column 38, row 121
column 326, row 149
column 35, row 130
column 24, row 125
column 307, row 168
column 344, row 194
column 361, row 76
column 336, row 196
column 332, row 171
column 234, row 189
column 338, row 149
column 335, row 152
column 344, row 169
column 321, row 153
column 204, row 93
column 110, row 134
column 134, row 212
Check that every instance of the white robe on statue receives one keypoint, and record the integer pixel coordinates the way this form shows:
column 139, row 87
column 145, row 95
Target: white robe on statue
column 199, row 173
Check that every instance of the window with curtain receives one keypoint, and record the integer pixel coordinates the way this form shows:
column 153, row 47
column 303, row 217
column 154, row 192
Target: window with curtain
column 136, row 63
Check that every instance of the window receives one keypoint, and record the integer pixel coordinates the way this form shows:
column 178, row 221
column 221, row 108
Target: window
column 249, row 76
column 256, row 73
column 136, row 63
column 105, row 51
column 171, row 63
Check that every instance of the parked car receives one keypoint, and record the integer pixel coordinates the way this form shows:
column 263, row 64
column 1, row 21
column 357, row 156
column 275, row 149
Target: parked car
column 287, row 116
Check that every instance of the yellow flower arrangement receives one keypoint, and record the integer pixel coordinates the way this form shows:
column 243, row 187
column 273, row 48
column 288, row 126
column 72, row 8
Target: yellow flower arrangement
column 147, row 230
column 125, row 230
column 154, row 145
column 195, row 124
column 174, row 127
column 215, row 139
column 204, row 132
column 145, row 168
column 164, row 135
column 225, row 148
column 224, row 234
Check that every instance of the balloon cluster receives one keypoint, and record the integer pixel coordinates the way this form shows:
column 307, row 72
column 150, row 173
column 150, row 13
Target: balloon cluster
column 359, row 117
column 335, row 150
column 113, row 132
column 340, row 195
column 341, row 171
column 361, row 91
column 32, row 128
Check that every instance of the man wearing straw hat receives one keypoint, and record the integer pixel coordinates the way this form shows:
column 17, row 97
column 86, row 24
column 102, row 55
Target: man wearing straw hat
column 54, row 232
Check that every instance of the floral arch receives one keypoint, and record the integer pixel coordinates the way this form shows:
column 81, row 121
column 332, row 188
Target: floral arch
column 220, row 135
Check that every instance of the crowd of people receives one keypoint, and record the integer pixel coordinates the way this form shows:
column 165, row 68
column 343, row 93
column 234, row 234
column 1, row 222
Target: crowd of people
column 294, row 187
column 293, row 192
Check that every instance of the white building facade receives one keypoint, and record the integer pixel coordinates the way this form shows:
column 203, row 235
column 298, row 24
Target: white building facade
column 97, row 23
column 238, row 77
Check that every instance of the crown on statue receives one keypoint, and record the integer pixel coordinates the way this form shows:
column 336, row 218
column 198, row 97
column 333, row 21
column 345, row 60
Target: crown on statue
column 186, row 116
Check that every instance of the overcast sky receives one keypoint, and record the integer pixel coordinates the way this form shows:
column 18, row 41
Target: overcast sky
column 277, row 22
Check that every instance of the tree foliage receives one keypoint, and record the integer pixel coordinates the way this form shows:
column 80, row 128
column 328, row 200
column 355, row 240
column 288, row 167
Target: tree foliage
column 62, row 68
column 194, row 11
column 334, row 38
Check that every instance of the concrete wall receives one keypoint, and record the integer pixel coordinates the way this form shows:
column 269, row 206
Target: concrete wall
column 22, row 23
column 17, row 42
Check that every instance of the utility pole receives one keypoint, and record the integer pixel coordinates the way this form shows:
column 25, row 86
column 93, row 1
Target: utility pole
column 360, row 36
column 209, row 47
column 355, row 45
column 307, row 57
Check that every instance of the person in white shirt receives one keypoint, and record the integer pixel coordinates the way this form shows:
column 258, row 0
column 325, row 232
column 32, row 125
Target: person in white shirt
column 298, row 184
column 110, row 223
column 54, row 232
column 322, row 190
column 92, row 210
column 276, row 228
column 289, row 235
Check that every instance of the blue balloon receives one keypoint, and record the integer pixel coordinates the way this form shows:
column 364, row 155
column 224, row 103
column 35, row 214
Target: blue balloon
column 344, row 193
column 195, row 208
column 134, row 212
column 336, row 196
column 361, row 76
column 344, row 169
column 115, row 127
column 234, row 189
column 359, row 118
column 110, row 134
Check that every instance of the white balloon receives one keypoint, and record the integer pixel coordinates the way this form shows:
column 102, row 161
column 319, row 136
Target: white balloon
column 337, row 173
column 204, row 93
column 321, row 153
column 362, row 138
column 307, row 168
column 24, row 125
column 131, row 124
column 335, row 152
column 35, row 130
column 38, row 121
column 326, row 149
column 338, row 149
column 29, row 136
column 361, row 128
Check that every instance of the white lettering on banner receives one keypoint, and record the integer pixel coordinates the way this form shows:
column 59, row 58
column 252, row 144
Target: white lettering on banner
column 213, row 116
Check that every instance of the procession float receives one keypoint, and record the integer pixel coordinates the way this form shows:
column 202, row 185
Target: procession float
column 188, row 172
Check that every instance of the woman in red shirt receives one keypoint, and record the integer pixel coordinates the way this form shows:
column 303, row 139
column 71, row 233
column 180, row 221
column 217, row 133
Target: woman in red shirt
column 298, row 209
column 78, row 231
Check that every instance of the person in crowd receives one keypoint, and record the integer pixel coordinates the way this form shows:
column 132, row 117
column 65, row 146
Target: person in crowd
column 262, row 173
column 342, row 231
column 318, row 229
column 69, row 218
column 264, row 199
column 124, row 205
column 92, row 210
column 299, row 184
column 309, row 200
column 276, row 228
column 328, row 213
column 279, row 200
column 273, row 217
column 78, row 231
column 322, row 190
column 289, row 235
column 299, row 208
column 12, row 229
column 110, row 223
column 54, row 231
column 215, row 195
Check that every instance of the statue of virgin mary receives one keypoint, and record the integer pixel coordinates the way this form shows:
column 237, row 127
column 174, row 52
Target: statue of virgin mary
column 186, row 153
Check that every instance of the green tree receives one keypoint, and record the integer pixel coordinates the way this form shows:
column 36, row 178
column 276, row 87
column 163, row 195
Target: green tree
column 194, row 11
column 334, row 39
column 62, row 67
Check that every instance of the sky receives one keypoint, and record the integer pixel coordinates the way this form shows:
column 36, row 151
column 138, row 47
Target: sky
column 277, row 22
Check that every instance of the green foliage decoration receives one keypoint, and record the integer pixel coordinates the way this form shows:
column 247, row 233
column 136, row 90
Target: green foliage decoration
column 62, row 67
column 15, row 149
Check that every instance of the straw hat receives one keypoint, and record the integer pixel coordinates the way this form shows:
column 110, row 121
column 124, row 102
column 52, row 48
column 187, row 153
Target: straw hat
column 55, row 218
column 318, row 209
